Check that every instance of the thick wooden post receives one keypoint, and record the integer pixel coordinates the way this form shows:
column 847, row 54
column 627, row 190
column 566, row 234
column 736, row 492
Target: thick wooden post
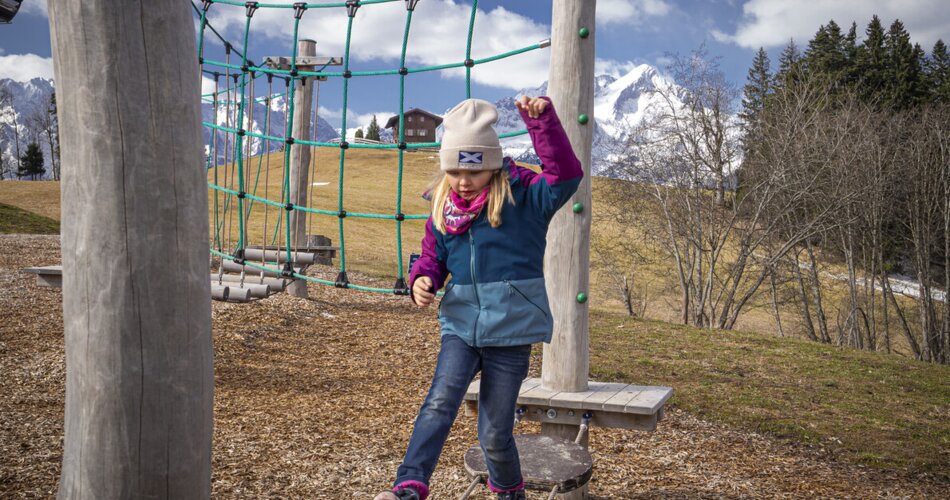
column 567, row 258
column 300, row 158
column 136, row 298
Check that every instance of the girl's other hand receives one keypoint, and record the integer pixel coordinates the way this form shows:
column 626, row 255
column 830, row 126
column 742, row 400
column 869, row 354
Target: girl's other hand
column 422, row 291
column 534, row 106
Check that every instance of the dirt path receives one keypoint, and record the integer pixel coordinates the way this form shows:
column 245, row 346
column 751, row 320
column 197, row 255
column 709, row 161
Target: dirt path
column 316, row 398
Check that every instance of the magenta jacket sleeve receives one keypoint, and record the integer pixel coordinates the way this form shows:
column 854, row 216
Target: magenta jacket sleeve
column 431, row 263
column 561, row 171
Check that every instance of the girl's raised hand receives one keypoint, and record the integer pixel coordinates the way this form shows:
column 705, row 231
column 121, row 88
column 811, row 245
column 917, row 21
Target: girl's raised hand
column 534, row 106
column 422, row 291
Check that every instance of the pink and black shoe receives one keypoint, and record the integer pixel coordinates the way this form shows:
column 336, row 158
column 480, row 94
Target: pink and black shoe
column 407, row 490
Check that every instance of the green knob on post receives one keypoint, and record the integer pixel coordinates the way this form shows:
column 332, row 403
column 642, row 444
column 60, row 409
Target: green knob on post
column 578, row 207
column 583, row 119
column 582, row 297
column 584, row 32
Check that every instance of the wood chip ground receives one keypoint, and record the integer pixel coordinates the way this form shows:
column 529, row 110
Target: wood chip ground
column 316, row 398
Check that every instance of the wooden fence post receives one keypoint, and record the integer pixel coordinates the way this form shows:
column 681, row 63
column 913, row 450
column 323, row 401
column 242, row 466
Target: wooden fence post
column 136, row 297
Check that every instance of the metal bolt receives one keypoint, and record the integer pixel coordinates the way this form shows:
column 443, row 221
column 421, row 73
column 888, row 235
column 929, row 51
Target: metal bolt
column 552, row 413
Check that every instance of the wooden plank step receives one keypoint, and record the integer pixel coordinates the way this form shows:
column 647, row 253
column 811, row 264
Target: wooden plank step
column 611, row 404
column 47, row 276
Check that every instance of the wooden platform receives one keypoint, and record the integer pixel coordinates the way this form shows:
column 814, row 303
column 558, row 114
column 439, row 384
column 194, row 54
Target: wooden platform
column 619, row 405
column 48, row 276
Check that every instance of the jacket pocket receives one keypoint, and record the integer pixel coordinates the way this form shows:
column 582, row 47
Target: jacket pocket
column 512, row 287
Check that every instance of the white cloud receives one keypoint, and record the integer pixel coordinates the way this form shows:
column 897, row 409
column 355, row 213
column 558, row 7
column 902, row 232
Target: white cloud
column 630, row 11
column 437, row 36
column 663, row 62
column 770, row 23
column 613, row 67
column 25, row 67
column 207, row 85
column 38, row 7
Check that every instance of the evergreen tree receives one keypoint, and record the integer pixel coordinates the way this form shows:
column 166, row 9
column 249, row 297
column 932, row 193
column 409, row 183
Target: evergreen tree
column 358, row 134
column 372, row 132
column 826, row 56
column 904, row 82
column 937, row 74
column 31, row 163
column 871, row 63
column 851, row 53
column 757, row 88
column 789, row 66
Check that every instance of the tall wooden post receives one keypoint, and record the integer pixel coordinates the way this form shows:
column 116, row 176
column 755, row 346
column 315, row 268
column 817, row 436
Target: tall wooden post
column 300, row 158
column 567, row 258
column 139, row 380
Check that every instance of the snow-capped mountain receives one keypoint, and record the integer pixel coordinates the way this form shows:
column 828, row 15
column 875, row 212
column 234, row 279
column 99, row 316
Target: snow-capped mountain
column 619, row 104
column 260, row 121
column 26, row 104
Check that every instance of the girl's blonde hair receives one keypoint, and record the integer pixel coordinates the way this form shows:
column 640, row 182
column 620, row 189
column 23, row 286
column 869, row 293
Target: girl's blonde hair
column 499, row 190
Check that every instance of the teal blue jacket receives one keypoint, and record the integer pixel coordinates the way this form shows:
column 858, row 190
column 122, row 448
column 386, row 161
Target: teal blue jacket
column 496, row 296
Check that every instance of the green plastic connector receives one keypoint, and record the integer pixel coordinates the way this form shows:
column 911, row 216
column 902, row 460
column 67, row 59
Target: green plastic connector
column 581, row 297
column 583, row 119
column 583, row 32
column 578, row 207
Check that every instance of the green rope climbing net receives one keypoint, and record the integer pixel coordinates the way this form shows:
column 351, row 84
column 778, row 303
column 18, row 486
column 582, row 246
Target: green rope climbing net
column 241, row 75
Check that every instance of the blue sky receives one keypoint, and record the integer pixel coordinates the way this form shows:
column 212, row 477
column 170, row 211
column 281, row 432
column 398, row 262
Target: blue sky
column 629, row 32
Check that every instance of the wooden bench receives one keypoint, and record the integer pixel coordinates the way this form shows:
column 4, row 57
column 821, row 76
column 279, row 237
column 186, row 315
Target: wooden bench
column 48, row 276
column 617, row 405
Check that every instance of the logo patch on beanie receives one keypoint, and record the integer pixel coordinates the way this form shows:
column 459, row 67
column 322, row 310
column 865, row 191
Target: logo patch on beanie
column 470, row 158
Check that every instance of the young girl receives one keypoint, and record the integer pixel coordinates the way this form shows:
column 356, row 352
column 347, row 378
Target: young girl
column 487, row 229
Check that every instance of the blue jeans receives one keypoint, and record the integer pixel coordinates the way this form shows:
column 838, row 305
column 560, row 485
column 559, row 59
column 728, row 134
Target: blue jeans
column 503, row 369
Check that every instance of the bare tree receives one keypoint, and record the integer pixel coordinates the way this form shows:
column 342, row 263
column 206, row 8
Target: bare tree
column 679, row 157
column 6, row 101
column 926, row 168
column 620, row 255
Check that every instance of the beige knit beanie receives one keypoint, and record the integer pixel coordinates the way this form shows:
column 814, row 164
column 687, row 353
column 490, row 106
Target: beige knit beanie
column 469, row 142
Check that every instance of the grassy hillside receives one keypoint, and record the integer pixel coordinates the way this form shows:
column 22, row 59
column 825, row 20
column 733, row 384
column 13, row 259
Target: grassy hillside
column 873, row 408
column 39, row 197
column 15, row 220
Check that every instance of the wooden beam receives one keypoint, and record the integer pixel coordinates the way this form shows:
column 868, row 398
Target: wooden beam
column 139, row 379
column 567, row 259
column 283, row 63
column 300, row 159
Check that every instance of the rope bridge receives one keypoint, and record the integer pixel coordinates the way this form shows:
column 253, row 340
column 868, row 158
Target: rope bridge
column 241, row 75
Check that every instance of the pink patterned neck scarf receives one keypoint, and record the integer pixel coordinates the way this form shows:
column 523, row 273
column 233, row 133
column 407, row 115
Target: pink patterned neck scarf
column 459, row 213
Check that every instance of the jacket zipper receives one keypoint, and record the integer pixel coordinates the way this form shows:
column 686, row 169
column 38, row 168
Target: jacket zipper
column 512, row 287
column 471, row 242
